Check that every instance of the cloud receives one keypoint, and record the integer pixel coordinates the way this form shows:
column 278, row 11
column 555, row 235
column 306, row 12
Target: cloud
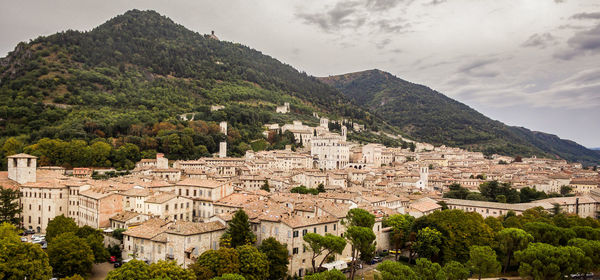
column 383, row 5
column 340, row 16
column 595, row 15
column 437, row 2
column 380, row 45
column 539, row 40
column 477, row 68
column 582, row 43
column 392, row 25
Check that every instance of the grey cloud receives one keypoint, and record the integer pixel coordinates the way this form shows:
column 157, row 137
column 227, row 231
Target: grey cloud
column 539, row 40
column 477, row 68
column 383, row 43
column 437, row 2
column 382, row 5
column 595, row 15
column 337, row 17
column 584, row 42
column 392, row 26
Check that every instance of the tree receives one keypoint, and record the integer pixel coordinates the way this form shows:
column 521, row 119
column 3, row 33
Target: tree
column 95, row 240
column 428, row 242
column 254, row 264
column 591, row 249
column 74, row 277
column 321, row 188
column 328, row 244
column 401, row 226
column 544, row 261
column 239, row 230
column 277, row 255
column 169, row 270
column 550, row 234
column 565, row 190
column 460, row 231
column 362, row 240
column 70, row 255
column 482, row 261
column 428, row 270
column 21, row 260
column 229, row 276
column 59, row 225
column 455, row 271
column 10, row 209
column 511, row 240
column 134, row 269
column 359, row 217
column 265, row 186
column 213, row 263
column 391, row 270
column 333, row 274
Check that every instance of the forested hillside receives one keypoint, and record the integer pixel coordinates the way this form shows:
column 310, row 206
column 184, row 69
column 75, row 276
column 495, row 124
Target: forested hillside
column 125, row 83
column 432, row 117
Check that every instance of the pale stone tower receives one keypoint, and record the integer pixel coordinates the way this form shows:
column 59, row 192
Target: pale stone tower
column 223, row 126
column 325, row 123
column 344, row 132
column 223, row 149
column 161, row 161
column 22, row 168
column 424, row 175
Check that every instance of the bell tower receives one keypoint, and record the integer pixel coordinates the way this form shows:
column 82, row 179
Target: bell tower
column 22, row 168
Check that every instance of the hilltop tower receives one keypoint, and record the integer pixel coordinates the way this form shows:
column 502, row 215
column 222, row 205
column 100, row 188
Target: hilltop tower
column 344, row 132
column 22, row 168
column 223, row 149
column 161, row 161
column 424, row 175
column 223, row 126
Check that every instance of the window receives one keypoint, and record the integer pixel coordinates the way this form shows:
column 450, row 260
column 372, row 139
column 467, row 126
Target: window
column 315, row 230
column 325, row 228
column 167, row 207
column 304, row 231
column 295, row 233
column 295, row 251
column 187, row 192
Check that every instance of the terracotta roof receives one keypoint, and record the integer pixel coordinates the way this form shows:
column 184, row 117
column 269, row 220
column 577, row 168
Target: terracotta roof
column 124, row 216
column 203, row 183
column 148, row 229
column 192, row 228
column 161, row 197
column 21, row 155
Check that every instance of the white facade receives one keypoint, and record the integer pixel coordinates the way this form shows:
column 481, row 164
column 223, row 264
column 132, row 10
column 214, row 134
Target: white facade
column 330, row 151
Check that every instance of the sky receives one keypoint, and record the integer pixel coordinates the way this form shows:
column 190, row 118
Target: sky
column 530, row 63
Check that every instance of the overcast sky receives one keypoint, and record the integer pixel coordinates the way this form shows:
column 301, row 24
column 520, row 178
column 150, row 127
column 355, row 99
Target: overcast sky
column 531, row 63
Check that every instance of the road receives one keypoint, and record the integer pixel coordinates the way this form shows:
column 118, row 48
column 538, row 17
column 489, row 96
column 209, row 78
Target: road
column 100, row 270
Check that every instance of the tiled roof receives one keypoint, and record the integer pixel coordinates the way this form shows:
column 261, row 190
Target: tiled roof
column 192, row 228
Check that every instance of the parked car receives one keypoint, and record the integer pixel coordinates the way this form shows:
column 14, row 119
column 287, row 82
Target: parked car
column 24, row 239
column 29, row 231
column 117, row 264
column 44, row 244
column 394, row 252
column 112, row 259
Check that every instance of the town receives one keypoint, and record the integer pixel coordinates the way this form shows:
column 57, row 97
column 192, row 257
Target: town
column 177, row 210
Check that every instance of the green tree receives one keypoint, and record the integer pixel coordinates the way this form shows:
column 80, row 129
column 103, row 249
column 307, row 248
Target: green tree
column 74, row 277
column 265, row 186
column 319, row 244
column 565, row 190
column 428, row 242
column 213, row 263
column 229, row 276
column 169, row 270
column 321, row 188
column 70, row 255
column 455, row 271
column 544, row 261
column 391, row 270
column 482, row 261
column 401, row 226
column 239, row 230
column 254, row 264
column 59, row 225
column 277, row 255
column 12, row 146
column 10, row 209
column 511, row 240
column 428, row 270
column 359, row 217
column 460, row 231
column 548, row 233
column 95, row 240
column 21, row 260
column 591, row 249
column 134, row 269
column 333, row 274
column 362, row 240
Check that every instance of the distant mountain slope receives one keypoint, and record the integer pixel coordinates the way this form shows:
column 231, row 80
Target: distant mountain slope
column 430, row 116
column 127, row 80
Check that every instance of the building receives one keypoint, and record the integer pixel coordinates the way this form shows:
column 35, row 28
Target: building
column 330, row 151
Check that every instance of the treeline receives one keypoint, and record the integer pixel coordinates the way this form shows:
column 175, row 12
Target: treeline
column 535, row 244
column 495, row 191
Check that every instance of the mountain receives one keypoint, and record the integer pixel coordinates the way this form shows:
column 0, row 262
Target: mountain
column 429, row 116
column 127, row 81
